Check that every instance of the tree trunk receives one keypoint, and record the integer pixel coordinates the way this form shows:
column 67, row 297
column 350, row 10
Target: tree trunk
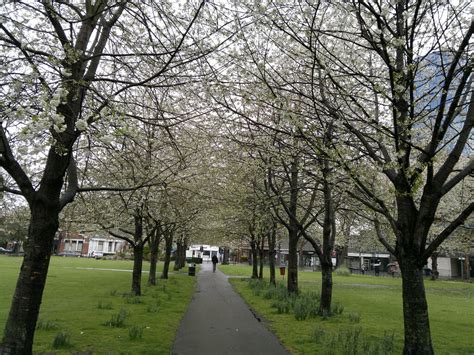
column 137, row 269
column 271, row 256
column 415, row 308
column 292, row 282
column 154, row 243
column 326, row 288
column 225, row 260
column 137, row 255
column 177, row 260
column 434, row 266
column 168, row 247
column 183, row 254
column 254, row 260
column 467, row 267
column 293, row 229
column 261, row 252
column 341, row 255
column 21, row 323
column 300, row 257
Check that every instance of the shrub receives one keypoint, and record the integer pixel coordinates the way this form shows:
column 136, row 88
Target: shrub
column 135, row 332
column 342, row 271
column 61, row 340
column 46, row 325
column 117, row 320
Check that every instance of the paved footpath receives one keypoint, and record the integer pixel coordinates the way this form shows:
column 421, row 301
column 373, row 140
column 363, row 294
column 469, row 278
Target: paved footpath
column 218, row 321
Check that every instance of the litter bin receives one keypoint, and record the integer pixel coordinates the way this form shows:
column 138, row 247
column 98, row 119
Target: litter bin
column 282, row 270
column 192, row 269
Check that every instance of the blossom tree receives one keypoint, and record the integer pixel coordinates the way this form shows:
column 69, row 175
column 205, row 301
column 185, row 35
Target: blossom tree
column 65, row 65
column 395, row 77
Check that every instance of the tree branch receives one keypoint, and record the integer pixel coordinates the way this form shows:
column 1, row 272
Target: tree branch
column 72, row 187
column 468, row 169
column 116, row 235
column 448, row 230
column 381, row 237
column 13, row 168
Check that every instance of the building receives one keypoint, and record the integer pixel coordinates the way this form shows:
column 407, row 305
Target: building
column 203, row 251
column 78, row 244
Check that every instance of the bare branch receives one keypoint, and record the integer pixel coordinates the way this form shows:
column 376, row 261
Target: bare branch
column 448, row 230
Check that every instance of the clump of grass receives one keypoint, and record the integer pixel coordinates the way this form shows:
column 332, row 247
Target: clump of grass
column 113, row 292
column 351, row 340
column 282, row 306
column 384, row 346
column 257, row 286
column 62, row 340
column 117, row 320
column 325, row 314
column 337, row 308
column 318, row 335
column 153, row 308
column 46, row 325
column 354, row 317
column 306, row 305
column 135, row 332
column 387, row 342
column 165, row 290
column 133, row 299
column 342, row 271
column 102, row 305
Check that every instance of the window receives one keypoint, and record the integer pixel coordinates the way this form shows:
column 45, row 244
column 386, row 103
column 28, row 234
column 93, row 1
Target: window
column 79, row 245
column 111, row 246
column 100, row 247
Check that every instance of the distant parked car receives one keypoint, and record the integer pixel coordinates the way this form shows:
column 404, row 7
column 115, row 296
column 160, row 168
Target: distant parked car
column 5, row 251
column 97, row 254
column 69, row 253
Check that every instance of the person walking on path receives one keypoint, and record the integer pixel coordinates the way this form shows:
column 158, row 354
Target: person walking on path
column 214, row 263
column 219, row 322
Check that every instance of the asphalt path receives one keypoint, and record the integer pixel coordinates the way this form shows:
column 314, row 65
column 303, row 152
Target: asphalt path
column 218, row 321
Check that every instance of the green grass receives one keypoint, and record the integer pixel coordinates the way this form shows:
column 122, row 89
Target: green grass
column 377, row 302
column 76, row 286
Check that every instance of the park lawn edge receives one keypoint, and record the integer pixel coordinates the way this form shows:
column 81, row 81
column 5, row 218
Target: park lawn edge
column 71, row 305
column 451, row 311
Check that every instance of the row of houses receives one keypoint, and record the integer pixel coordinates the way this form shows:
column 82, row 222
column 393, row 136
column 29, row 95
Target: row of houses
column 449, row 266
column 76, row 244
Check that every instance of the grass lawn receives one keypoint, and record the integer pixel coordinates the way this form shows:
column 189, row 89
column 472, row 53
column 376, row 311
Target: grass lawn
column 372, row 313
column 83, row 295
